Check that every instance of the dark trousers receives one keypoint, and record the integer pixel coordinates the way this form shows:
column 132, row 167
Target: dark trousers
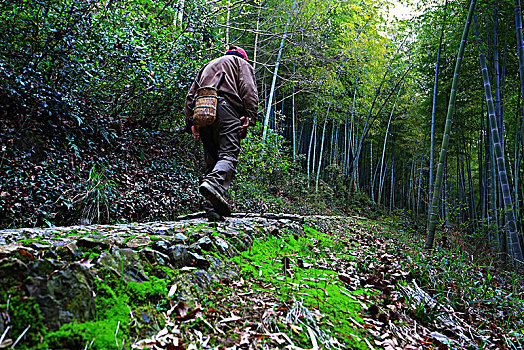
column 221, row 148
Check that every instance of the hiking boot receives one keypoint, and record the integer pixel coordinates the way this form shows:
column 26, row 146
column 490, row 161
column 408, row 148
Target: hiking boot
column 213, row 216
column 212, row 195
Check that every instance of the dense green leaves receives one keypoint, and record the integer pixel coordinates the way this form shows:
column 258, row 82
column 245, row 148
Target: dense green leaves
column 112, row 61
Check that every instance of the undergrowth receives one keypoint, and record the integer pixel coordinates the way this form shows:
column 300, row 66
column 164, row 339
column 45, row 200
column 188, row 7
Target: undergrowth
column 271, row 179
column 472, row 284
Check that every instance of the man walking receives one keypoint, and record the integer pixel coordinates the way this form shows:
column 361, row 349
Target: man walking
column 234, row 80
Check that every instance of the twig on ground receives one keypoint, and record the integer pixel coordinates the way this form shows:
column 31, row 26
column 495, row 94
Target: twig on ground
column 20, row 336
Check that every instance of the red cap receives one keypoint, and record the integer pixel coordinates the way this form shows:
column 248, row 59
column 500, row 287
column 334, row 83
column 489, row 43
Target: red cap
column 238, row 50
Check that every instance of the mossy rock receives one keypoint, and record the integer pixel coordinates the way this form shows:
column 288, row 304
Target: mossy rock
column 63, row 296
column 191, row 285
column 124, row 263
column 12, row 272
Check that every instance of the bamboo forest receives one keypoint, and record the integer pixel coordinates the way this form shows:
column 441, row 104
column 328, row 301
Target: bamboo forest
column 261, row 174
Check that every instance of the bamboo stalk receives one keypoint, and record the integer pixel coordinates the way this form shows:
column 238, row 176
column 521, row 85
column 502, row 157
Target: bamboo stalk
column 386, row 138
column 520, row 46
column 433, row 111
column 275, row 73
column 293, row 119
column 391, row 187
column 512, row 239
column 311, row 140
column 371, row 171
column 256, row 37
column 445, row 139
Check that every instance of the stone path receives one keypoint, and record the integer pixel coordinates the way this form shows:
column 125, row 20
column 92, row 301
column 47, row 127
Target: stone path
column 57, row 266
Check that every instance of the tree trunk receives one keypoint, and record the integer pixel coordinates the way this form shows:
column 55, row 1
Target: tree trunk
column 445, row 204
column 420, row 175
column 311, row 141
column 520, row 46
column 445, row 140
column 322, row 146
column 228, row 16
column 275, row 72
column 371, row 169
column 180, row 13
column 256, row 37
column 294, row 138
column 433, row 111
column 514, row 248
column 391, row 187
column 386, row 139
column 382, row 179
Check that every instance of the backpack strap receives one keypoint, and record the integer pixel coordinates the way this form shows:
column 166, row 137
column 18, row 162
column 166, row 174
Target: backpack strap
column 220, row 80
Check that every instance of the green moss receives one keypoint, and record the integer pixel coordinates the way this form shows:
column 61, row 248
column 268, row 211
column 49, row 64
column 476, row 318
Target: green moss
column 200, row 228
column 93, row 335
column 213, row 253
column 24, row 311
column 318, row 288
column 31, row 240
column 111, row 308
column 90, row 254
column 75, row 233
column 113, row 303
column 150, row 291
column 127, row 239
column 170, row 272
column 96, row 233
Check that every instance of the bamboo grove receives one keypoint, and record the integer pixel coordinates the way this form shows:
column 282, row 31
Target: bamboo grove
column 366, row 105
column 363, row 99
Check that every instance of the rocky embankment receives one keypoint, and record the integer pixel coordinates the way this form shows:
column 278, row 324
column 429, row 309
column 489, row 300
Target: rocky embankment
column 58, row 267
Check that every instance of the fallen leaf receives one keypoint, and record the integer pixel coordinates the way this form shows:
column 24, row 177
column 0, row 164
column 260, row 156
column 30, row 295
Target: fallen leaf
column 191, row 314
column 26, row 254
column 180, row 309
column 172, row 290
column 188, row 268
column 230, row 319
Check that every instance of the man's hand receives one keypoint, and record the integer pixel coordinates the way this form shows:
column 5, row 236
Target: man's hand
column 244, row 123
column 195, row 131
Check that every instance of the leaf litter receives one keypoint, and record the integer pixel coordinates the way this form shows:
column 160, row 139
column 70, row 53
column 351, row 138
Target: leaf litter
column 283, row 302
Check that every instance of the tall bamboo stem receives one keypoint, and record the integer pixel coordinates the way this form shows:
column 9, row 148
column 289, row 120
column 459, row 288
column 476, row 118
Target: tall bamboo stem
column 514, row 249
column 445, row 139
column 275, row 73
column 433, row 111
column 386, row 139
column 520, row 46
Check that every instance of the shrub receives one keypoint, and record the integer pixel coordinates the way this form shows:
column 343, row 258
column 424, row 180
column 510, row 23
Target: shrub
column 268, row 177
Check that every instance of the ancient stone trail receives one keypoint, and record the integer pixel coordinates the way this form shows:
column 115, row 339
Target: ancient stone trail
column 251, row 282
column 57, row 266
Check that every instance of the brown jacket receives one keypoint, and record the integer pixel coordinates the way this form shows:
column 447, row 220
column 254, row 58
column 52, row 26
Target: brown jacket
column 238, row 86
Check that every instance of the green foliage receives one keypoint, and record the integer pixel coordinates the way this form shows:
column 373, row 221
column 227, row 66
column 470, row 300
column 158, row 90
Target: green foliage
column 268, row 176
column 85, row 59
column 100, row 192
column 85, row 82
column 46, row 184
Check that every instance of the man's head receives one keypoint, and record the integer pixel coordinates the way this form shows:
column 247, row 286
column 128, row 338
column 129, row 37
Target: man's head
column 237, row 51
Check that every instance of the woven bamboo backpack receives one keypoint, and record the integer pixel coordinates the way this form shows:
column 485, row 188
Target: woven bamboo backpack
column 206, row 101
